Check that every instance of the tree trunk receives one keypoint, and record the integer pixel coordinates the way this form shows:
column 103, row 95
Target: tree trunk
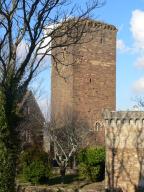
column 62, row 173
column 74, row 161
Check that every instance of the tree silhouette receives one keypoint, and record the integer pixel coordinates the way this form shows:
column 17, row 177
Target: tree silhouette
column 27, row 29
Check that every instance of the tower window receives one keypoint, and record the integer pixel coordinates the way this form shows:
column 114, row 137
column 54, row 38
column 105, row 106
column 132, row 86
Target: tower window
column 97, row 126
column 101, row 40
column 90, row 80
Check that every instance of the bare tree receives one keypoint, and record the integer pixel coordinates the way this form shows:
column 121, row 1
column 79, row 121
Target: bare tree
column 66, row 139
column 29, row 26
column 139, row 103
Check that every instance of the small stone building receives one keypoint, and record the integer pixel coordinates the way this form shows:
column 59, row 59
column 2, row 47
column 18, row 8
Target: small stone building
column 31, row 127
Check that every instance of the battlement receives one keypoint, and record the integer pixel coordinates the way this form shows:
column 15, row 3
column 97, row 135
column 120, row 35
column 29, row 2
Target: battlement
column 100, row 25
column 86, row 24
column 122, row 117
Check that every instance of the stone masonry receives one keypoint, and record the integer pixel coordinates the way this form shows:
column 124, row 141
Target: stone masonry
column 124, row 150
column 31, row 128
column 88, row 85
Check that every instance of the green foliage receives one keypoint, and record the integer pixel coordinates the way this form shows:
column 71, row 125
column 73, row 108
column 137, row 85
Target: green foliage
column 35, row 166
column 7, row 169
column 91, row 163
column 7, row 152
column 36, row 172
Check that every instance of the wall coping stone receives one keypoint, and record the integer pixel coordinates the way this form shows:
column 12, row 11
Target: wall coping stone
column 123, row 115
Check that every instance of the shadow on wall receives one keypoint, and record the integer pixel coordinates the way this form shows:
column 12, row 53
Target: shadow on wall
column 124, row 151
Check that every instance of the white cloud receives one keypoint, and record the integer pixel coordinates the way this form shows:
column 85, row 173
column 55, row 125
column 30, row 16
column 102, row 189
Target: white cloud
column 140, row 62
column 138, row 86
column 137, row 28
column 22, row 50
column 120, row 45
column 46, row 44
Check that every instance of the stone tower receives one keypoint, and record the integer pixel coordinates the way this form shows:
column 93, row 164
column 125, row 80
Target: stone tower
column 88, row 86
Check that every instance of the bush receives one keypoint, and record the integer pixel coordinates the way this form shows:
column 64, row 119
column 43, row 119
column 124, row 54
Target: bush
column 35, row 166
column 91, row 163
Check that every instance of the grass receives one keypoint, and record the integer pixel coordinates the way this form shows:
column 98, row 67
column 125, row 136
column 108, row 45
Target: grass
column 20, row 179
column 70, row 179
column 56, row 179
column 70, row 182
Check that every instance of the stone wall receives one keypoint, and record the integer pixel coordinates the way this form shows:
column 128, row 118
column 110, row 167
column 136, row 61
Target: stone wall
column 24, row 188
column 88, row 85
column 43, row 189
column 83, row 187
column 124, row 150
column 31, row 128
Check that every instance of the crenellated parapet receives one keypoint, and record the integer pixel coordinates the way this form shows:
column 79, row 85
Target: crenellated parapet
column 100, row 25
column 90, row 23
column 123, row 117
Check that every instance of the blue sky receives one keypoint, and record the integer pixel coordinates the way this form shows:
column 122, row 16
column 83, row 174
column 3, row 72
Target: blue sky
column 128, row 17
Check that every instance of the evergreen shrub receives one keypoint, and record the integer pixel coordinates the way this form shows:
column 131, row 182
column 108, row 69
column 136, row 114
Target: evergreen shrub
column 35, row 166
column 91, row 163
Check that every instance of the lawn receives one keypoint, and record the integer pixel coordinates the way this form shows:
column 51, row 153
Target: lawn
column 70, row 182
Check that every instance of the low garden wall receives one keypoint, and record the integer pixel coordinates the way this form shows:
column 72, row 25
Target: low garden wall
column 124, row 150
column 43, row 189
column 54, row 189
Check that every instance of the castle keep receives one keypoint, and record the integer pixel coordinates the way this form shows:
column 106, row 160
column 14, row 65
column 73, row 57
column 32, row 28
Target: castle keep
column 86, row 81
